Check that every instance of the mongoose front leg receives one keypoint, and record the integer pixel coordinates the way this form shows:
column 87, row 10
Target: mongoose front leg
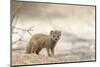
column 52, row 51
column 48, row 51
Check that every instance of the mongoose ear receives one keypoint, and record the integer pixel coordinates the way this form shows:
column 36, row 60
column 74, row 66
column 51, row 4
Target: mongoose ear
column 51, row 32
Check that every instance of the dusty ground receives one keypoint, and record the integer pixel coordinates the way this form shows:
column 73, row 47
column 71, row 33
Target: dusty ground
column 20, row 58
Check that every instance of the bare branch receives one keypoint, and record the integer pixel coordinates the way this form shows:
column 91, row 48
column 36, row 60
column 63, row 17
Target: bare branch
column 25, row 30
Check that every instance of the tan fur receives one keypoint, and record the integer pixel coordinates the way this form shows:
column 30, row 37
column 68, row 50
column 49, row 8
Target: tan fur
column 39, row 41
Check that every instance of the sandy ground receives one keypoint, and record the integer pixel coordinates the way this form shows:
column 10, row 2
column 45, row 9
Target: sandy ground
column 20, row 58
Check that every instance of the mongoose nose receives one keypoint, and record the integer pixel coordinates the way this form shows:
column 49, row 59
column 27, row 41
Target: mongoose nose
column 55, row 39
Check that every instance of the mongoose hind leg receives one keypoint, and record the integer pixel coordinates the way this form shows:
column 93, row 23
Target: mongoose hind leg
column 38, row 50
column 33, row 50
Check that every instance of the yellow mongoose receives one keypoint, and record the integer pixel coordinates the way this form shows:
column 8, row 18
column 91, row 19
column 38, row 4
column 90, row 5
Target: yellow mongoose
column 39, row 41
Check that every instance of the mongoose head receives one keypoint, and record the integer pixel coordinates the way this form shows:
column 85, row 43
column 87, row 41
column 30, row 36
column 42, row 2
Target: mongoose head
column 55, row 35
